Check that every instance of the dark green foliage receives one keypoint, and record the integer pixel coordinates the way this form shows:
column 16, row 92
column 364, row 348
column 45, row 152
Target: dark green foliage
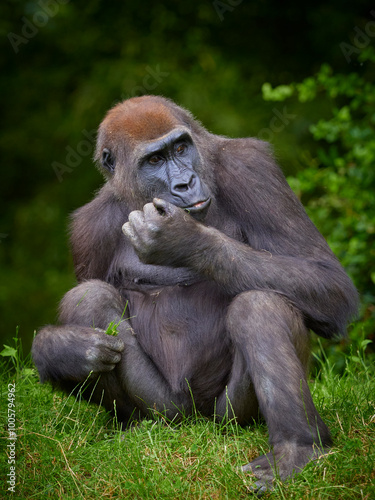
column 337, row 184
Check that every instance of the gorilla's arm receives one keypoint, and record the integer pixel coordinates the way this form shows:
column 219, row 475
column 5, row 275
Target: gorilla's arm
column 319, row 288
column 286, row 253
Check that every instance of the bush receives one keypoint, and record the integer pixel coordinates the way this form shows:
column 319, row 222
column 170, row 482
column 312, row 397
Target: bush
column 337, row 185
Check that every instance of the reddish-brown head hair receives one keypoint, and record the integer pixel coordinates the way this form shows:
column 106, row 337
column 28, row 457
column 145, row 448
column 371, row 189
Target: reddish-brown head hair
column 139, row 119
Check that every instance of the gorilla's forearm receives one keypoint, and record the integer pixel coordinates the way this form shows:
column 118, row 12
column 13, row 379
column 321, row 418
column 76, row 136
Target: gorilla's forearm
column 319, row 288
column 135, row 273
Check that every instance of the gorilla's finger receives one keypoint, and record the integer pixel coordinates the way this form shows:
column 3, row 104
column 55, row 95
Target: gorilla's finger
column 128, row 231
column 150, row 212
column 110, row 342
column 136, row 218
column 163, row 207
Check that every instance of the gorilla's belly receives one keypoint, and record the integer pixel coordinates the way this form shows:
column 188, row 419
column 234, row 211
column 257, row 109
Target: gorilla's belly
column 182, row 329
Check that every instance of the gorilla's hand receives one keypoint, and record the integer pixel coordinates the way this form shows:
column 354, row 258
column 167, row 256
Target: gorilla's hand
column 162, row 234
column 75, row 351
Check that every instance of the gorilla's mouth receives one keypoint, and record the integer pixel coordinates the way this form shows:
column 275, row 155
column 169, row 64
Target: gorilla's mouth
column 198, row 207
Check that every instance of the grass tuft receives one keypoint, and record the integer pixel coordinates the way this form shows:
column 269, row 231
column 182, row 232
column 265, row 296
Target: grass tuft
column 67, row 448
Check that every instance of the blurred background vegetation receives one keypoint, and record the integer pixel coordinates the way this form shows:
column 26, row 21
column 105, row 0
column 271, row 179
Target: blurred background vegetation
column 296, row 74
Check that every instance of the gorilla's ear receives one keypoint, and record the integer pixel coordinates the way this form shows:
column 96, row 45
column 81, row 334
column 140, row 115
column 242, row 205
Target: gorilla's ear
column 108, row 161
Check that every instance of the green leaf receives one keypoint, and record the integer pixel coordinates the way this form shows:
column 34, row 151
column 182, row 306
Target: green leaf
column 279, row 93
column 8, row 352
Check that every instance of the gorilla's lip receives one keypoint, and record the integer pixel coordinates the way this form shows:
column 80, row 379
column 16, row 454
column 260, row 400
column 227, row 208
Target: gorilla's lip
column 199, row 206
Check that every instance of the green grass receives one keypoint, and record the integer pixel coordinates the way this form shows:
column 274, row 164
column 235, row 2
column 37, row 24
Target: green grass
column 67, row 448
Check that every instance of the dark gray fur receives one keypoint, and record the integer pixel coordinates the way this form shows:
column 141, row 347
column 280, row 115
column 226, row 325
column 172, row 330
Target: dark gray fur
column 220, row 309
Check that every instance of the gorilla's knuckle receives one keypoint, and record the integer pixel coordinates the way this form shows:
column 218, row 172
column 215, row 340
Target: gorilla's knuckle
column 116, row 358
column 135, row 219
column 92, row 354
column 99, row 330
column 119, row 344
column 148, row 206
column 108, row 367
column 153, row 227
column 96, row 339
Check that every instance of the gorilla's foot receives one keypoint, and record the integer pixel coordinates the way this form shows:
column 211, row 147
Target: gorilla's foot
column 284, row 461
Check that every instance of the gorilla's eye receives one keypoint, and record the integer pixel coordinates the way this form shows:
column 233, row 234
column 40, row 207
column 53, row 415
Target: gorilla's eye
column 181, row 149
column 108, row 160
column 155, row 159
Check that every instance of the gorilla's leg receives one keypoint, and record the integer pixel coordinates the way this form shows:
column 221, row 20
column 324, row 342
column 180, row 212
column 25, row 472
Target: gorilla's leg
column 274, row 345
column 115, row 368
column 239, row 399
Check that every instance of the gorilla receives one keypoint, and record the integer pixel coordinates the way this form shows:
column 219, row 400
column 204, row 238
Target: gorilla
column 214, row 283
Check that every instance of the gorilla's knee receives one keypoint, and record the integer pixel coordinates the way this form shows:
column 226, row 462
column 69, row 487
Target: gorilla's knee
column 260, row 310
column 266, row 317
column 254, row 306
column 91, row 303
